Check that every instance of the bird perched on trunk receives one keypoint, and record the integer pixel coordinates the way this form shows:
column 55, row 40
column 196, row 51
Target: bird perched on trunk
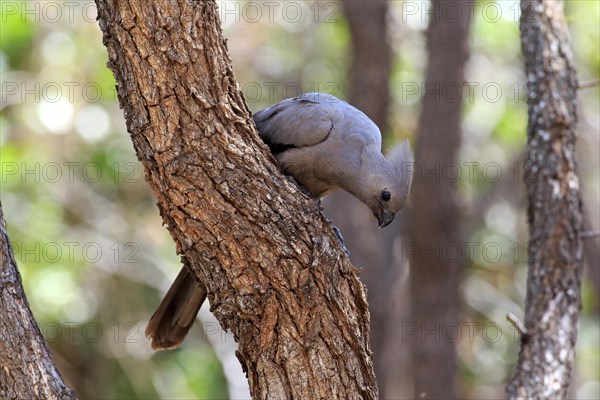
column 325, row 144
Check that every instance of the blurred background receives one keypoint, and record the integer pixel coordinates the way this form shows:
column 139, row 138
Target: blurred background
column 95, row 259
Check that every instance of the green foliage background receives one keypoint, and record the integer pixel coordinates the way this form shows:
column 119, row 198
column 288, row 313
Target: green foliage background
column 88, row 238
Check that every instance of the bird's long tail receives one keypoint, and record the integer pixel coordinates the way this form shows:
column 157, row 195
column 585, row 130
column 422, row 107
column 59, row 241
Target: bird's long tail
column 176, row 313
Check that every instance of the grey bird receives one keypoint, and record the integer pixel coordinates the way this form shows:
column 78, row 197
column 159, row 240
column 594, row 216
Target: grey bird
column 325, row 144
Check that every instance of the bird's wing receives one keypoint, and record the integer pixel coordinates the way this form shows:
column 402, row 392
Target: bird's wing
column 298, row 122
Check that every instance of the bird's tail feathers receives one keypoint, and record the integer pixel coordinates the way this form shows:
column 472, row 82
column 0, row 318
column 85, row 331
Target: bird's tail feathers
column 176, row 313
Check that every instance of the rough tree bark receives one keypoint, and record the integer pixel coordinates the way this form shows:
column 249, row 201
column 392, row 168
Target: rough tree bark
column 370, row 70
column 26, row 367
column 275, row 272
column 435, row 216
column 553, row 302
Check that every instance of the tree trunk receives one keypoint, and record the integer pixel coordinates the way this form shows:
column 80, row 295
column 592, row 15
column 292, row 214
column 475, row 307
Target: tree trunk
column 275, row 273
column 435, row 216
column 27, row 370
column 555, row 251
column 369, row 91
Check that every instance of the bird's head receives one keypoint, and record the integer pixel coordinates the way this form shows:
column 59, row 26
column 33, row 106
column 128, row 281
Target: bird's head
column 389, row 185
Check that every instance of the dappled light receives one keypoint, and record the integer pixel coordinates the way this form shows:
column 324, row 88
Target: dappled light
column 95, row 257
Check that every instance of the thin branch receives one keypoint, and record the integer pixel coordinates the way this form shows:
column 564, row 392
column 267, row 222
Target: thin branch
column 516, row 323
column 590, row 234
column 588, row 84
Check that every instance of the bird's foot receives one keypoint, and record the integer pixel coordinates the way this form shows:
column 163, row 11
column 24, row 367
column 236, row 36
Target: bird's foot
column 338, row 233
column 321, row 208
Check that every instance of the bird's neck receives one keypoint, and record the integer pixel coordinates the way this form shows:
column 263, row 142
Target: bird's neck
column 362, row 176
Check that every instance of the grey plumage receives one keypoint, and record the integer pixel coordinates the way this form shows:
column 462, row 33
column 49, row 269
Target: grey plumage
column 325, row 144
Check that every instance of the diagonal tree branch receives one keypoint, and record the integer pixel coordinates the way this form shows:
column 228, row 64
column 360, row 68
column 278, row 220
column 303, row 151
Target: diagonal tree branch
column 26, row 367
column 554, row 207
column 274, row 271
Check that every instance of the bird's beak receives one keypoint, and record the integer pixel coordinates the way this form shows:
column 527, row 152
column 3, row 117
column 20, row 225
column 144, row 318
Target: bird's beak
column 385, row 218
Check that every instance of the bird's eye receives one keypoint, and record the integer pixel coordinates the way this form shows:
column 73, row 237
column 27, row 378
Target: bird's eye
column 386, row 195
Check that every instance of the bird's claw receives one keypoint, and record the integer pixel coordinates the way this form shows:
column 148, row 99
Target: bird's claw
column 320, row 205
column 338, row 233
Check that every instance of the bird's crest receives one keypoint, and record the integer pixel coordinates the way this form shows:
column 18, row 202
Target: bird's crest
column 402, row 159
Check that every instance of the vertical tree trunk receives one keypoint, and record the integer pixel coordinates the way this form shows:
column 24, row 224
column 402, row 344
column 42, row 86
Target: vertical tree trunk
column 275, row 273
column 435, row 216
column 26, row 367
column 369, row 91
column 554, row 207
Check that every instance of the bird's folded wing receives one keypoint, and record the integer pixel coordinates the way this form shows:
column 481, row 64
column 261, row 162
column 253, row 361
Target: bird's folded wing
column 302, row 121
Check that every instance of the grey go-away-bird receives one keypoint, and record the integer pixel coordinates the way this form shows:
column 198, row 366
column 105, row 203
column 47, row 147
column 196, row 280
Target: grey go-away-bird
column 325, row 144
